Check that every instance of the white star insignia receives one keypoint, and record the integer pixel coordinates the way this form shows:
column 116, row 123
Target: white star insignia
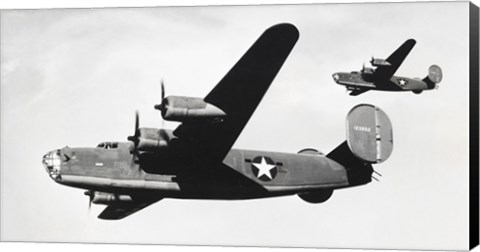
column 264, row 168
column 402, row 82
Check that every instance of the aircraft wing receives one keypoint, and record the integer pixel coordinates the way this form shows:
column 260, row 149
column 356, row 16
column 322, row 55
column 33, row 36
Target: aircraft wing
column 395, row 59
column 120, row 210
column 358, row 91
column 239, row 93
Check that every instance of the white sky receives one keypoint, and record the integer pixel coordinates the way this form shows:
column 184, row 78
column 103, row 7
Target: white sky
column 75, row 77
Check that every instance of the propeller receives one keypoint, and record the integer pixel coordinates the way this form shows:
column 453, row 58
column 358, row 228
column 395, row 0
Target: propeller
column 162, row 106
column 90, row 195
column 135, row 138
column 136, row 133
column 163, row 90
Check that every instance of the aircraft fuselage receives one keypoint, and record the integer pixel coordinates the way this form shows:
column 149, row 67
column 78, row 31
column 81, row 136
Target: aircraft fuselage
column 356, row 80
column 243, row 174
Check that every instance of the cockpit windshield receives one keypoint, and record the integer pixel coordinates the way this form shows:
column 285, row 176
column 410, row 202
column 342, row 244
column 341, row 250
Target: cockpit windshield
column 108, row 145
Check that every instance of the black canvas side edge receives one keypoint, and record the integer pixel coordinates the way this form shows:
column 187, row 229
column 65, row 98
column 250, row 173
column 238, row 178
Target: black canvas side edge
column 474, row 128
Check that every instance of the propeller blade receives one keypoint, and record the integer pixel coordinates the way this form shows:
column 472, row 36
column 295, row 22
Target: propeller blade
column 163, row 90
column 89, row 193
column 137, row 122
column 161, row 106
column 136, row 133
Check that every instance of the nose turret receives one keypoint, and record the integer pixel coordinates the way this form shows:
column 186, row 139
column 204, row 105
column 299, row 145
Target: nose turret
column 336, row 76
column 52, row 163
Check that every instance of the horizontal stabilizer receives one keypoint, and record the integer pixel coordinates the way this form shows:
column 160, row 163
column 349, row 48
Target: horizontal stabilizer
column 369, row 133
column 358, row 171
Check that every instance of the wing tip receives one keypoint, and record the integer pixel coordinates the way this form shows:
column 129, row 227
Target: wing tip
column 411, row 42
column 287, row 29
column 107, row 217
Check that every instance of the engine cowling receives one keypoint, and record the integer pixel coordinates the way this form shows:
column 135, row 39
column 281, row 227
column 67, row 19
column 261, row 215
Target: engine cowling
column 379, row 62
column 182, row 109
column 152, row 140
column 108, row 198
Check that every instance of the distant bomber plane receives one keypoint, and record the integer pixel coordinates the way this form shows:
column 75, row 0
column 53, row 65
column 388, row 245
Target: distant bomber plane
column 195, row 161
column 381, row 78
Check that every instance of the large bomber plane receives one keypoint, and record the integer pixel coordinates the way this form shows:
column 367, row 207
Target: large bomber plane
column 196, row 160
column 382, row 78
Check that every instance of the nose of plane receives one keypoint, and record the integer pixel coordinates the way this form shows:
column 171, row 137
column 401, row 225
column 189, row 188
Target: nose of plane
column 52, row 163
column 336, row 76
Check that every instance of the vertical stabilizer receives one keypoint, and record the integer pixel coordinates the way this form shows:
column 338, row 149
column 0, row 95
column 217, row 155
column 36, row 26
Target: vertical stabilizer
column 369, row 133
column 434, row 76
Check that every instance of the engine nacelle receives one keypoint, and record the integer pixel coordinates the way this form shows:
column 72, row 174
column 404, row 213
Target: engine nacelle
column 379, row 62
column 152, row 140
column 181, row 109
column 108, row 198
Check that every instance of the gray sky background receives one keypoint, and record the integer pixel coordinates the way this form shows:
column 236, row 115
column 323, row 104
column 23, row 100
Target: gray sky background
column 75, row 77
